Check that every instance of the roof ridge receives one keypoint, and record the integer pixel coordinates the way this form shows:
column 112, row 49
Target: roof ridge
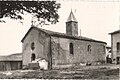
column 58, row 34
column 117, row 31
column 63, row 34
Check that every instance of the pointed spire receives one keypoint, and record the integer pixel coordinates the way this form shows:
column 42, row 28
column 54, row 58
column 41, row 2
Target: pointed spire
column 71, row 17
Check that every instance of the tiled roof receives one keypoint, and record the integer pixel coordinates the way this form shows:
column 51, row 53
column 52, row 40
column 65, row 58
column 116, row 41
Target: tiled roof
column 71, row 17
column 63, row 35
column 12, row 57
column 118, row 31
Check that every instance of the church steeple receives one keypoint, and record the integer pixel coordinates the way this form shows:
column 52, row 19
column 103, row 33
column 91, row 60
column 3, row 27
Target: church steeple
column 71, row 17
column 72, row 25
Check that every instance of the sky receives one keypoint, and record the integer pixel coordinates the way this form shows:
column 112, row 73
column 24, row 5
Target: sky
column 95, row 20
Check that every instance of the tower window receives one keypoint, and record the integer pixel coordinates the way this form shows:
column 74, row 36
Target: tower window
column 89, row 48
column 74, row 24
column 68, row 24
column 71, row 48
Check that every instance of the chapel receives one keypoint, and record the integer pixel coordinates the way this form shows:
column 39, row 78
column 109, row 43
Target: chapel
column 61, row 49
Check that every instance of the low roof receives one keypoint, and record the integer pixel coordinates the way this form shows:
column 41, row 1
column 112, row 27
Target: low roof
column 108, row 47
column 12, row 57
column 118, row 31
column 62, row 35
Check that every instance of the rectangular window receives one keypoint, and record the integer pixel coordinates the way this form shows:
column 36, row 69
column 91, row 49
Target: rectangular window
column 104, row 49
column 118, row 46
column 71, row 48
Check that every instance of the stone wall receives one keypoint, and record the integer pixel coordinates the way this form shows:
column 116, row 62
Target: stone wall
column 61, row 52
column 41, row 46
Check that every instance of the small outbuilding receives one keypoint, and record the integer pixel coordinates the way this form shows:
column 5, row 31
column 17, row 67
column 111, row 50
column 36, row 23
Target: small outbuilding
column 11, row 62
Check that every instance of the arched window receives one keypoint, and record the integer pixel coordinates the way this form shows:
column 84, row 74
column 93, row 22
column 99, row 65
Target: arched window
column 89, row 48
column 33, row 57
column 32, row 45
column 71, row 48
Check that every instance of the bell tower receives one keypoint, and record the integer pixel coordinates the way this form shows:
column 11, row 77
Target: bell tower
column 72, row 25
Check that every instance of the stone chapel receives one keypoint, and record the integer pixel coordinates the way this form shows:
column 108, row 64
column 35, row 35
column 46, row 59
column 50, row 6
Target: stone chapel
column 60, row 49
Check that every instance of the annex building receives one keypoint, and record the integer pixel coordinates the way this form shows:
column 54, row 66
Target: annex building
column 115, row 46
column 11, row 62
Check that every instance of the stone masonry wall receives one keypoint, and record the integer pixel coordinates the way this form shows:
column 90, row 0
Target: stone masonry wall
column 61, row 52
column 41, row 44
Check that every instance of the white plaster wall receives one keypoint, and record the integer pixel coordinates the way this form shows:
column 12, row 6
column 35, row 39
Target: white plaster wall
column 114, row 39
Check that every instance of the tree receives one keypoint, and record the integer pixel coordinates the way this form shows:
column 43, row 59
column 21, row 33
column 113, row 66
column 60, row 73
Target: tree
column 44, row 11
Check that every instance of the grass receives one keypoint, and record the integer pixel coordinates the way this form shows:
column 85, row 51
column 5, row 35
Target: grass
column 100, row 73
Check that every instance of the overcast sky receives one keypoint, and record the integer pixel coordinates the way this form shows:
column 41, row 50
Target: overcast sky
column 95, row 19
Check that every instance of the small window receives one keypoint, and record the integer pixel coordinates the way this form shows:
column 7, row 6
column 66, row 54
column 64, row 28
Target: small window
column 118, row 46
column 74, row 24
column 104, row 49
column 68, row 24
column 89, row 48
column 33, row 57
column 71, row 48
column 32, row 45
